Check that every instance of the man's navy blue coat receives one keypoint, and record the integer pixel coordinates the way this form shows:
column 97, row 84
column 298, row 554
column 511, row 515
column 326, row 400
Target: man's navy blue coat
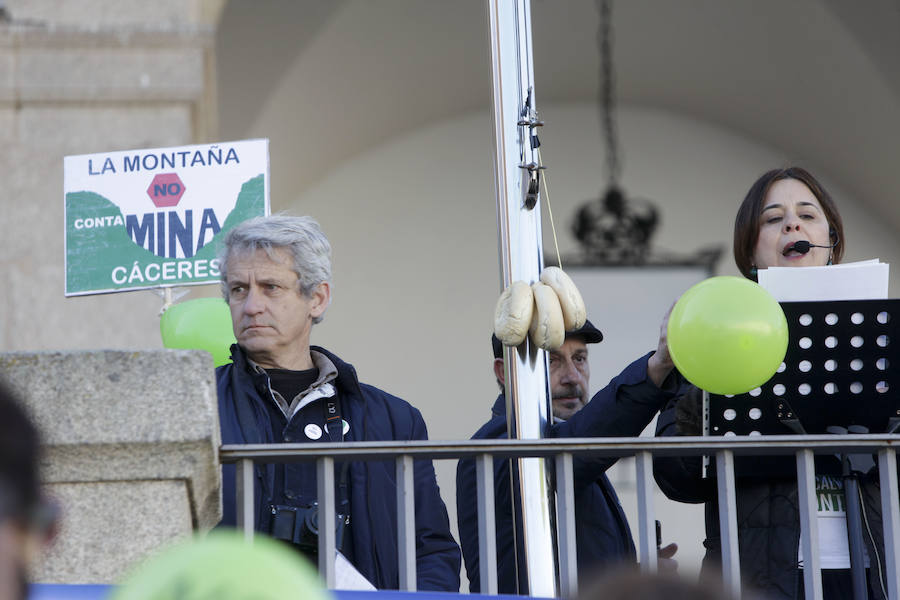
column 373, row 415
column 621, row 409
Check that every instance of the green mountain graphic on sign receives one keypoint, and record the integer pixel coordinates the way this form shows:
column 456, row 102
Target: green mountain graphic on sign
column 96, row 256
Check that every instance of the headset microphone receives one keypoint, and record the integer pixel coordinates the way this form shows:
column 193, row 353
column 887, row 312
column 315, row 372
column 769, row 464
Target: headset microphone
column 803, row 246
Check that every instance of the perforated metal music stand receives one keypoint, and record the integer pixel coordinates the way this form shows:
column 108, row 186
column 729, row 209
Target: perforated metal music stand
column 841, row 368
column 839, row 372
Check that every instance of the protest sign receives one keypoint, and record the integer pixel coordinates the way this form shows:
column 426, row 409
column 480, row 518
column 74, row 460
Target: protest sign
column 151, row 218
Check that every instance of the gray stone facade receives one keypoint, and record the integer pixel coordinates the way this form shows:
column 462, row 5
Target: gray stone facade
column 131, row 452
column 82, row 77
column 131, row 436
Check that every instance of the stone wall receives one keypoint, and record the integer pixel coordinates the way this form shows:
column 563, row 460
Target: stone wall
column 131, row 436
column 76, row 78
column 130, row 452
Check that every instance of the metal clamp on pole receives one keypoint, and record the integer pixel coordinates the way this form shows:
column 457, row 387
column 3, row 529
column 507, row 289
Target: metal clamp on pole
column 534, row 184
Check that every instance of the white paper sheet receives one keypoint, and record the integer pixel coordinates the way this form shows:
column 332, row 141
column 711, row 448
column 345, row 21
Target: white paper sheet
column 863, row 280
column 346, row 577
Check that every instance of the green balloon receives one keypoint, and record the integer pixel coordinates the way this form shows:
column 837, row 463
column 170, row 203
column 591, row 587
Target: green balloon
column 226, row 567
column 727, row 335
column 200, row 324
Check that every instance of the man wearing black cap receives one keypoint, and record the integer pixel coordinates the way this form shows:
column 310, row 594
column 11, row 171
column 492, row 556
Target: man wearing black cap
column 621, row 409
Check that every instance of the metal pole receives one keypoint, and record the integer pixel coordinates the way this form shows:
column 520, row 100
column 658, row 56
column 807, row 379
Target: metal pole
column 565, row 498
column 890, row 519
column 521, row 258
column 406, row 522
column 487, row 525
column 854, row 532
column 809, row 530
column 327, row 541
column 646, row 515
column 731, row 568
column 243, row 478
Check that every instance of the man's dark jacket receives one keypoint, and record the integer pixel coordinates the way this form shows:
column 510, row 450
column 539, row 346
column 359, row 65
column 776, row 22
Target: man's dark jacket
column 621, row 409
column 373, row 415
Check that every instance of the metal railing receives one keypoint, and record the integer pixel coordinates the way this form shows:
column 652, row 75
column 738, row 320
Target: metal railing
column 724, row 450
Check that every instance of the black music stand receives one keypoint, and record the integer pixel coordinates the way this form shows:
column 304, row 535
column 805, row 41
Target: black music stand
column 840, row 375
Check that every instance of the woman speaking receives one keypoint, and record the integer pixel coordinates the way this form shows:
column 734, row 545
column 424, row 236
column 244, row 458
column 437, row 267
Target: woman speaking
column 787, row 219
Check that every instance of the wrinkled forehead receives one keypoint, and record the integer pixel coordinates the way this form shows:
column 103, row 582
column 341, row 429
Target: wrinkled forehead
column 258, row 260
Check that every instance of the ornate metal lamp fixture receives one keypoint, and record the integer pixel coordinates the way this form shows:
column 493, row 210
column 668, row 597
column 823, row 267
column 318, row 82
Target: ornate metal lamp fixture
column 614, row 229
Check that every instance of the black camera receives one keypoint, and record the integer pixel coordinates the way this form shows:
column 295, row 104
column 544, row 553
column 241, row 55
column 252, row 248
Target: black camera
column 299, row 525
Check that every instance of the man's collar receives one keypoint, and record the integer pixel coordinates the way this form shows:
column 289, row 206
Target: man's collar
column 499, row 408
column 327, row 369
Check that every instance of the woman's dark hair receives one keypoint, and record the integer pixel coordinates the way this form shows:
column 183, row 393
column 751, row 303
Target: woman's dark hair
column 746, row 223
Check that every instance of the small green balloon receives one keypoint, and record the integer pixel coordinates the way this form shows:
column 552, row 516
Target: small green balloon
column 224, row 566
column 200, row 324
column 727, row 335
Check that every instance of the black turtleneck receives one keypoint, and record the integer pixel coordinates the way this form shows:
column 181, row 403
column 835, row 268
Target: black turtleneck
column 290, row 383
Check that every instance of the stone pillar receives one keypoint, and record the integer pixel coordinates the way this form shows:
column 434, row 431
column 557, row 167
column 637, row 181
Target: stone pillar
column 130, row 452
column 77, row 78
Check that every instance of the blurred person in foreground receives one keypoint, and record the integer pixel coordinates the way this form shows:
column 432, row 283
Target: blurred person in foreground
column 25, row 519
column 630, row 584
column 782, row 207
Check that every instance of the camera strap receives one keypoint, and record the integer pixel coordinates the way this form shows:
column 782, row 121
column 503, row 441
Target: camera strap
column 299, row 524
column 334, row 427
column 334, row 423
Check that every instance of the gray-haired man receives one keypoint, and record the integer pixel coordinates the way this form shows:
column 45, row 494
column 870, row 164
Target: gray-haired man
column 276, row 274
